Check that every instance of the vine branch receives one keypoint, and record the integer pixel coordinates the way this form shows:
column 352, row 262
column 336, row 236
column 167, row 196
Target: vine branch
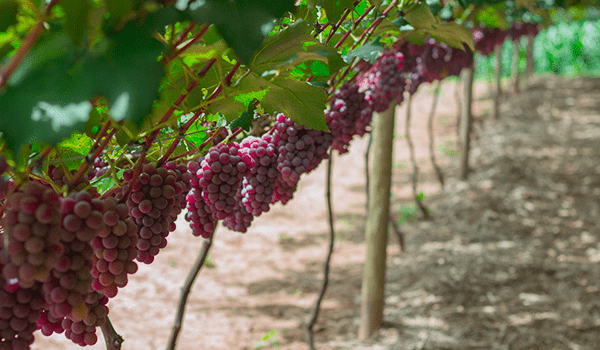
column 315, row 314
column 186, row 289
column 436, row 95
column 413, row 160
column 112, row 339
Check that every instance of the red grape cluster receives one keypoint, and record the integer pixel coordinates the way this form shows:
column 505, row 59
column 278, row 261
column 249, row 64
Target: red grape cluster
column 296, row 148
column 385, row 81
column 199, row 215
column 518, row 30
column 83, row 332
column 348, row 114
column 220, row 177
column 99, row 167
column 114, row 249
column 33, row 232
column 70, row 283
column 19, row 311
column 157, row 197
column 485, row 39
column 432, row 61
column 259, row 183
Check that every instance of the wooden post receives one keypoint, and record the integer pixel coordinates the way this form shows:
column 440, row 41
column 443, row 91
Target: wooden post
column 373, row 285
column 466, row 121
column 529, row 56
column 515, row 65
column 498, row 73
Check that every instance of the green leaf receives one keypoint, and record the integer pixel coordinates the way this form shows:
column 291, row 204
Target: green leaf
column 48, row 96
column 416, row 37
column 293, row 45
column 119, row 9
column 8, row 13
column 453, row 34
column 335, row 9
column 420, row 16
column 74, row 149
column 300, row 101
column 243, row 24
column 76, row 12
column 369, row 52
column 94, row 123
column 245, row 120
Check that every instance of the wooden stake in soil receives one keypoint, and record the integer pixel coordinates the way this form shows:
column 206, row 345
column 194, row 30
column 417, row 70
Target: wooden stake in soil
column 466, row 121
column 529, row 57
column 315, row 313
column 373, row 284
column 413, row 160
column 498, row 77
column 515, row 67
column 436, row 95
column 393, row 224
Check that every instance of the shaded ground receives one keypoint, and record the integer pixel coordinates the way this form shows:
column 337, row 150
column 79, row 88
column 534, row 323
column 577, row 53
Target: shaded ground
column 509, row 259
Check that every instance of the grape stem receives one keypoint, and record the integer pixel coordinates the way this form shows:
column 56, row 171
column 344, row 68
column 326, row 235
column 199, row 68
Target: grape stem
column 187, row 287
column 112, row 339
column 315, row 314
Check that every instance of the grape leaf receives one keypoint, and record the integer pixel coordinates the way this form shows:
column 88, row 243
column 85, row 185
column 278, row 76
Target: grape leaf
column 76, row 12
column 243, row 24
column 420, row 16
column 245, row 120
column 293, row 45
column 369, row 51
column 335, row 9
column 8, row 13
column 453, row 34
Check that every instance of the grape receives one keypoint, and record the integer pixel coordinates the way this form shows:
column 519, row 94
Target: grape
column 4, row 184
column 20, row 309
column 347, row 114
column 259, row 184
column 32, row 224
column 384, row 82
column 220, row 177
column 71, row 282
column 99, row 168
column 82, row 331
column 295, row 147
column 156, row 198
column 284, row 191
column 119, row 239
column 485, row 39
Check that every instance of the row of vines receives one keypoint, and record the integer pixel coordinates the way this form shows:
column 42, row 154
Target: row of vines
column 119, row 116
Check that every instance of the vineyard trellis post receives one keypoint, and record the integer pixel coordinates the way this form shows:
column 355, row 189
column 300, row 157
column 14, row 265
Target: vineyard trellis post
column 376, row 229
column 529, row 56
column 466, row 121
column 498, row 78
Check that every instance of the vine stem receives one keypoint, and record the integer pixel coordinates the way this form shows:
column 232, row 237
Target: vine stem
column 112, row 339
column 436, row 95
column 413, row 160
column 186, row 289
column 25, row 47
column 315, row 313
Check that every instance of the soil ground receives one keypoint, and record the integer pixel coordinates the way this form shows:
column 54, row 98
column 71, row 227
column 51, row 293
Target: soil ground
column 508, row 260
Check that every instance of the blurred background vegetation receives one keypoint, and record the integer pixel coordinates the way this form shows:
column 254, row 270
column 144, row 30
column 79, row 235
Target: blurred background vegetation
column 569, row 47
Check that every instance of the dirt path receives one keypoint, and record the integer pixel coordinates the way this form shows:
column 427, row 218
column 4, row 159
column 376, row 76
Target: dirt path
column 508, row 260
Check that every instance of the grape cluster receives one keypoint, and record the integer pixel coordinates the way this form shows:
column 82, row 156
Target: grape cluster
column 65, row 292
column 99, row 167
column 220, row 177
column 256, row 192
column 199, row 215
column 518, row 30
column 114, row 249
column 155, row 200
column 485, row 39
column 385, row 81
column 19, row 310
column 347, row 114
column 432, row 61
column 83, row 332
column 295, row 146
column 32, row 224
